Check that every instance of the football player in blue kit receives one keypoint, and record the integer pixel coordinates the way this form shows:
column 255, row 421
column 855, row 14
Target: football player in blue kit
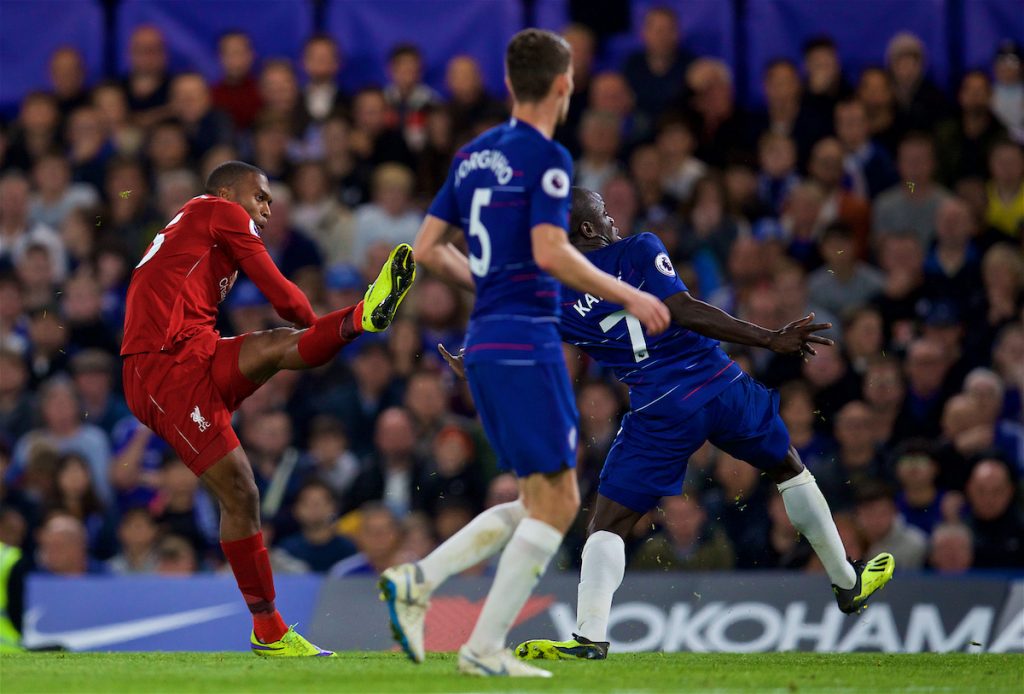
column 509, row 192
column 683, row 390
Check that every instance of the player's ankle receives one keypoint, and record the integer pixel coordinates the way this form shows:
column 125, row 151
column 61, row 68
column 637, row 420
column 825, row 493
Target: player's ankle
column 269, row 626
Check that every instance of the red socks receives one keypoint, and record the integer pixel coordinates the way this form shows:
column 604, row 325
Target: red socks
column 250, row 563
column 321, row 342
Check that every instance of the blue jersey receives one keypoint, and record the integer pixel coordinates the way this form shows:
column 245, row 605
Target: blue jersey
column 500, row 186
column 679, row 363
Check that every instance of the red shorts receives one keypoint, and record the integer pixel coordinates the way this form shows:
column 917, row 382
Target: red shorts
column 187, row 396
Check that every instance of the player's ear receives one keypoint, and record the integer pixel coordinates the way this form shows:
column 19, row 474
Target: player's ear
column 587, row 230
column 508, row 85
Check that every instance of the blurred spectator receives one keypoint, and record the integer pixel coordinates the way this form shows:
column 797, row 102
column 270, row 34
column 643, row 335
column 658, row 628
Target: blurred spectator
column 926, row 368
column 844, row 282
column 379, row 538
column 599, row 410
column 93, row 372
column 137, row 537
column 1008, row 90
column 181, row 508
column 952, row 549
column 864, row 338
column 147, row 83
column 458, row 483
column 722, row 134
column 655, row 73
column 920, row 500
column 55, row 194
column 111, row 102
column 373, row 140
column 901, row 257
column 964, row 141
column 869, row 167
column 176, row 556
column 740, row 495
column 687, row 541
column 62, row 429
column 371, row 392
column 333, row 463
column 985, row 389
column 469, row 102
column 82, row 305
column 63, row 548
column 785, row 113
column 776, row 156
column 18, row 231
column 797, row 411
column 599, row 142
column 67, row 77
column 1002, row 271
column 885, row 530
column 168, row 148
column 321, row 61
column 389, row 218
column 953, row 268
column 583, row 43
column 680, row 169
column 317, row 543
column 825, row 85
column 279, row 467
column 75, row 494
column 912, row 203
column 192, row 104
column 1006, row 189
column 708, row 233
column 856, row 462
column 1008, row 360
column 173, row 189
column 919, row 103
column 37, row 130
column 14, row 324
column 826, row 169
column 408, row 97
column 875, row 91
column 885, row 392
column 38, row 277
column 610, row 93
column 282, row 99
column 393, row 475
column 130, row 222
column 16, row 406
column 995, row 517
column 319, row 215
column 238, row 93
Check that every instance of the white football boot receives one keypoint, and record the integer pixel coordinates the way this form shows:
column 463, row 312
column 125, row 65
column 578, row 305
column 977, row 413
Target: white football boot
column 407, row 596
column 500, row 664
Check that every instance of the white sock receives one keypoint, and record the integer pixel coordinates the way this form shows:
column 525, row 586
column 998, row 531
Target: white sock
column 482, row 538
column 521, row 565
column 604, row 564
column 809, row 512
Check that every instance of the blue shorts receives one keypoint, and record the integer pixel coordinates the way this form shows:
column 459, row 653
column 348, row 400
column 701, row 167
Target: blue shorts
column 649, row 455
column 529, row 414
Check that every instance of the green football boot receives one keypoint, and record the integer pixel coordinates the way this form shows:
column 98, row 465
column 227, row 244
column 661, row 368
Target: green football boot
column 871, row 577
column 382, row 299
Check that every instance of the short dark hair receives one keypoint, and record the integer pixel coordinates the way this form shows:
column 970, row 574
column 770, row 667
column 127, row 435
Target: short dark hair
column 819, row 41
column 582, row 210
column 533, row 59
column 400, row 50
column 228, row 174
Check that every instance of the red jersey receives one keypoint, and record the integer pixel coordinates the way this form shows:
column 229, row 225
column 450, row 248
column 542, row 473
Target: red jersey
column 191, row 266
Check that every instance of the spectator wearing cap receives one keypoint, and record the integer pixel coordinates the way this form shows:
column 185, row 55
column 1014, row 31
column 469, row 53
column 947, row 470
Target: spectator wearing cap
column 965, row 140
column 912, row 203
column 320, row 215
column 885, row 530
column 93, row 372
column 237, row 93
column 994, row 516
column 1006, row 190
column 844, row 282
column 919, row 103
column 952, row 549
column 1008, row 90
column 655, row 73
column 389, row 218
column 920, row 499
column 317, row 543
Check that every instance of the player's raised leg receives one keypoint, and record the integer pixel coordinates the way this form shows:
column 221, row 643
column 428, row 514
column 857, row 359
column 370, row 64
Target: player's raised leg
column 231, row 481
column 853, row 582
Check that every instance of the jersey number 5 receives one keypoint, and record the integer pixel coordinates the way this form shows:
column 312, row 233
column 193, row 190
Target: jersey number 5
column 158, row 241
column 636, row 332
column 479, row 265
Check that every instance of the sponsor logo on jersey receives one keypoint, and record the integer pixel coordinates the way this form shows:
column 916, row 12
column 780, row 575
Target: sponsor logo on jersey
column 226, row 283
column 490, row 159
column 199, row 419
column 555, row 183
column 664, row 265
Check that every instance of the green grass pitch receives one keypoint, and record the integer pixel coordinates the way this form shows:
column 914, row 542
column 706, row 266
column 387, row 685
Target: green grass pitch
column 390, row 672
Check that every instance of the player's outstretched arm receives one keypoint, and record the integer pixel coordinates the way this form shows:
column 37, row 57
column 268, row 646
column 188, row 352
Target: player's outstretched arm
column 713, row 322
column 433, row 252
column 286, row 298
column 555, row 255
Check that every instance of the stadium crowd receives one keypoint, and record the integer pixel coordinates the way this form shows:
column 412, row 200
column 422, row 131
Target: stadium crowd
column 882, row 204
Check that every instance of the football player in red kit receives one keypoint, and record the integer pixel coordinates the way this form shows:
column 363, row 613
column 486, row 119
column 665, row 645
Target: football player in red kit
column 183, row 381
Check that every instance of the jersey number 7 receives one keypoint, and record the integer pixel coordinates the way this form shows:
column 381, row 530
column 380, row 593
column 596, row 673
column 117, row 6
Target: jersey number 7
column 633, row 327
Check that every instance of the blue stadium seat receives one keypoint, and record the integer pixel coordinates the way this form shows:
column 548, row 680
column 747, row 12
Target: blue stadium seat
column 552, row 15
column 192, row 27
column 367, row 30
column 861, row 29
column 985, row 24
column 30, row 30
